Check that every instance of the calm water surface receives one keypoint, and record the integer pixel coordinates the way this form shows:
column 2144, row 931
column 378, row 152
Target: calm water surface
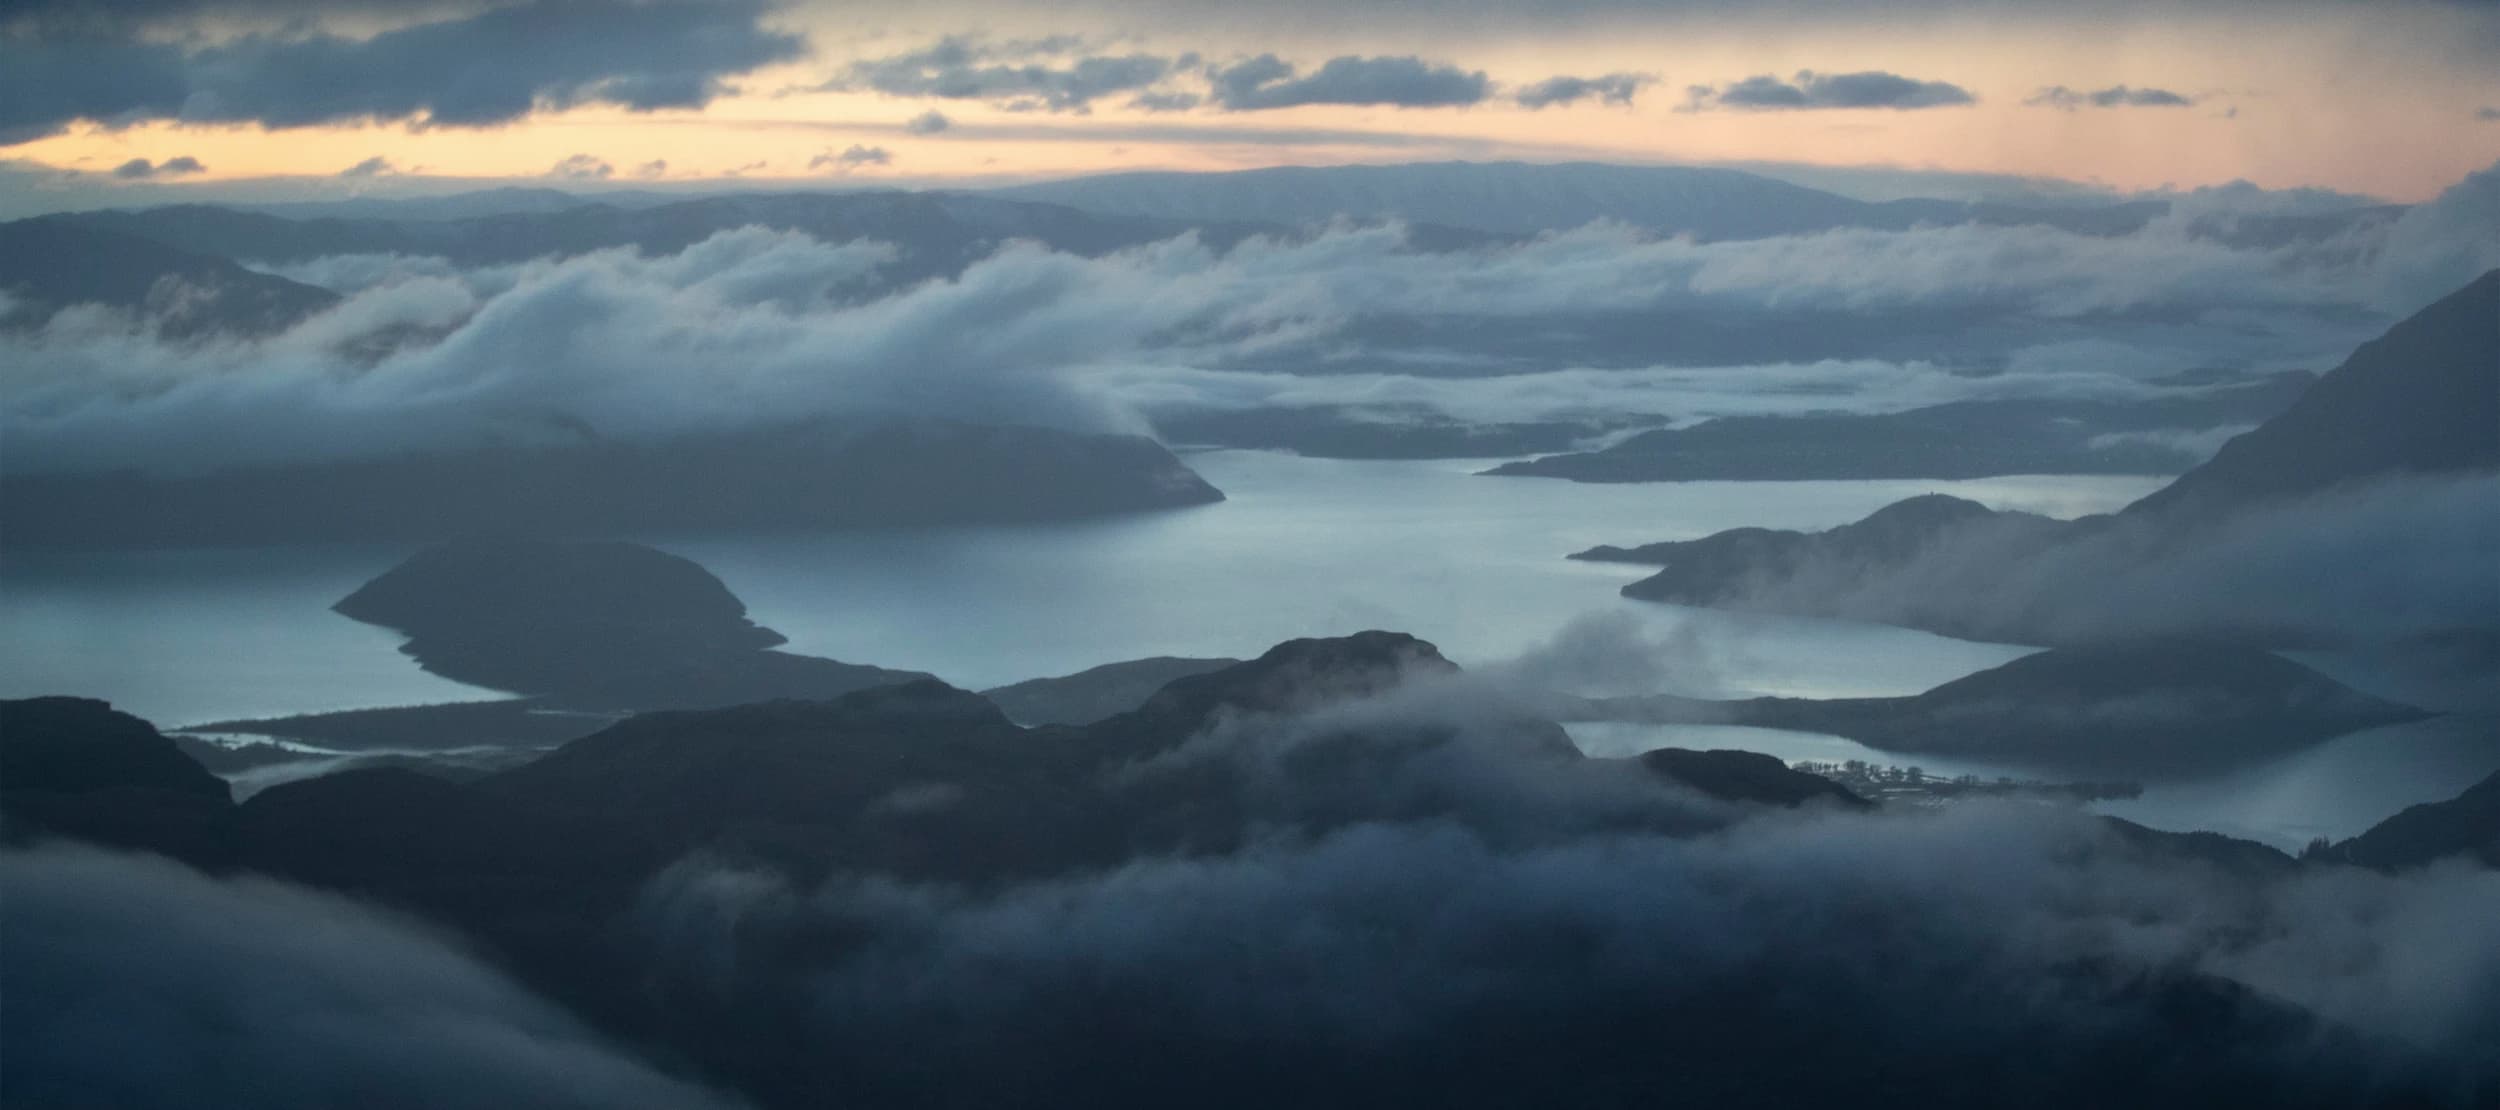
column 1303, row 547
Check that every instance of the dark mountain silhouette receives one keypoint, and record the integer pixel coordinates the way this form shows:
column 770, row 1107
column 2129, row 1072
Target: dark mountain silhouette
column 1291, row 676
column 1521, row 198
column 556, row 870
column 79, row 768
column 591, row 624
column 1700, row 571
column 2466, row 826
column 1746, row 777
column 2132, row 707
column 48, row 265
column 2423, row 399
column 2227, row 853
column 811, row 476
column 75, row 745
column 1963, row 439
column 521, row 606
column 1096, row 692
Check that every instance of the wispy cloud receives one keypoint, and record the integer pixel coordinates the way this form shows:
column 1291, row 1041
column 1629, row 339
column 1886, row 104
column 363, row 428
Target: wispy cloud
column 851, row 158
column 140, row 169
column 2115, row 96
column 1613, row 88
column 582, row 167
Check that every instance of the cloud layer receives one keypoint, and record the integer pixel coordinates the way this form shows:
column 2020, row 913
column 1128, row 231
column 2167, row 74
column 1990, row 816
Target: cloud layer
column 2396, row 558
column 1051, row 74
column 1613, row 88
column 133, row 981
column 488, row 68
column 140, row 169
column 1506, row 948
column 1067, row 73
column 754, row 325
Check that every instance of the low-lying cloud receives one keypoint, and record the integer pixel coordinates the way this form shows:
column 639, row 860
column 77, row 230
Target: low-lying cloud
column 754, row 325
column 2004, row 946
column 2386, row 560
column 134, row 981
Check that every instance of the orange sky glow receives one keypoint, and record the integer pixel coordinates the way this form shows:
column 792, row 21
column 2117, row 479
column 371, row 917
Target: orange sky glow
column 2390, row 107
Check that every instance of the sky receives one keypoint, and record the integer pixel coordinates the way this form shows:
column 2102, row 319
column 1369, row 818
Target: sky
column 2397, row 99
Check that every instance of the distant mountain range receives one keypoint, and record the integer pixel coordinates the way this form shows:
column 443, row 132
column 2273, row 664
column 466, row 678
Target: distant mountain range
column 47, row 265
column 1522, row 198
column 815, row 475
column 1957, row 440
column 939, row 232
column 2131, row 708
column 1452, row 204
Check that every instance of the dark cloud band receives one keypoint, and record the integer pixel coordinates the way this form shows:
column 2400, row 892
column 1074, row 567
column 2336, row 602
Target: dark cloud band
column 1811, row 90
column 487, row 69
column 1266, row 82
column 1613, row 88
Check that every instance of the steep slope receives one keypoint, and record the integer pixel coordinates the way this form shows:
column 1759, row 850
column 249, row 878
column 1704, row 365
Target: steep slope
column 2424, row 398
column 1709, row 569
column 73, row 745
column 77, row 767
column 2466, row 826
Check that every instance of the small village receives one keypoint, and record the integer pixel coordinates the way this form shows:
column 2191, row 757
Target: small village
column 1914, row 786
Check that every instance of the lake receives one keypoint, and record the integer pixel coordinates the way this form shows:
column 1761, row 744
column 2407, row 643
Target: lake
column 1302, row 547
